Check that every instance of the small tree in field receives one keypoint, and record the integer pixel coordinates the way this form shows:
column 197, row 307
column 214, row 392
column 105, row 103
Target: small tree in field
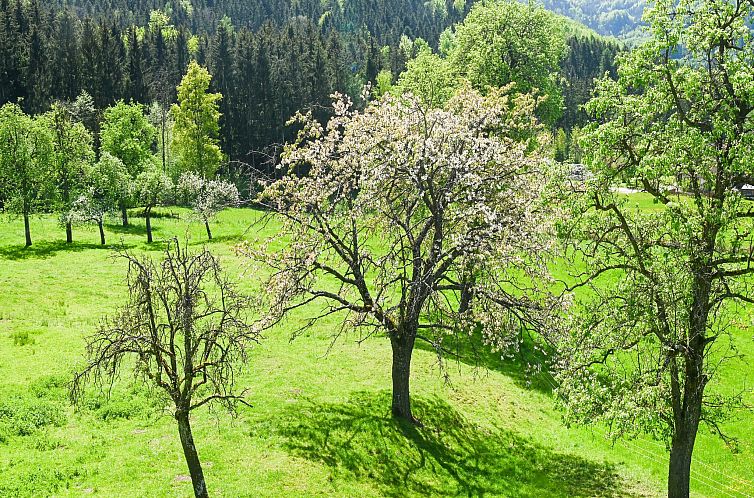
column 667, row 283
column 25, row 157
column 152, row 188
column 207, row 197
column 128, row 135
column 397, row 204
column 72, row 154
column 107, row 184
column 184, row 329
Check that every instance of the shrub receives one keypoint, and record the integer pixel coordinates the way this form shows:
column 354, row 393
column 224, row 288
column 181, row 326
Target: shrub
column 23, row 416
column 22, row 338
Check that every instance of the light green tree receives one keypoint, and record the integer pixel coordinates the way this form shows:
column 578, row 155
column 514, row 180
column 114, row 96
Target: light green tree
column 72, row 153
column 26, row 152
column 128, row 135
column 197, row 124
column 383, row 83
column 430, row 78
column 647, row 344
column 507, row 41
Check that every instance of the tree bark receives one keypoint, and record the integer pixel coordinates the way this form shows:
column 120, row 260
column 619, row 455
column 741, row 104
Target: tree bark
column 687, row 411
column 192, row 457
column 101, row 233
column 403, row 346
column 209, row 232
column 68, row 233
column 149, row 226
column 124, row 214
column 682, row 447
column 27, row 229
column 679, row 472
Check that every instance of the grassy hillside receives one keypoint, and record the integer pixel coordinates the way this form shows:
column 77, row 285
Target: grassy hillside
column 320, row 423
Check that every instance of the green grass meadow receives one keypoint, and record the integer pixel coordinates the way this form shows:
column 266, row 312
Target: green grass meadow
column 320, row 422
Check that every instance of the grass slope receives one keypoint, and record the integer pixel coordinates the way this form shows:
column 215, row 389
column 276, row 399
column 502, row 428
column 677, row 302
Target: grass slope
column 320, row 424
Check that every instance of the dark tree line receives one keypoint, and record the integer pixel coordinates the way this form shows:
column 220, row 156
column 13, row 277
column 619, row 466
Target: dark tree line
column 269, row 58
column 386, row 19
column 588, row 57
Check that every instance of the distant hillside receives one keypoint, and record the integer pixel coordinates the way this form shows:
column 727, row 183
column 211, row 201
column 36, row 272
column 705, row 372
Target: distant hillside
column 618, row 18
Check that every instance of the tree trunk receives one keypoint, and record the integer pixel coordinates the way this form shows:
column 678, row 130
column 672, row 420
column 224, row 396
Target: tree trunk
column 468, row 282
column 687, row 410
column 679, row 472
column 467, row 294
column 164, row 161
column 403, row 346
column 209, row 232
column 124, row 214
column 101, row 233
column 682, row 448
column 192, row 457
column 68, row 233
column 27, row 229
column 149, row 226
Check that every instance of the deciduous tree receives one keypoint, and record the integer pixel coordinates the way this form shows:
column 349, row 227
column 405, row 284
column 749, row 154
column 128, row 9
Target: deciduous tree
column 385, row 211
column 152, row 188
column 197, row 118
column 72, row 154
column 26, row 149
column 128, row 135
column 507, row 41
column 107, row 185
column 182, row 331
column 207, row 197
column 649, row 340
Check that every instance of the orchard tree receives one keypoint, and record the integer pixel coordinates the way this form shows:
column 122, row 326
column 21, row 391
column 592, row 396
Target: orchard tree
column 182, row 331
column 72, row 153
column 508, row 41
column 152, row 188
column 207, row 197
column 128, row 135
column 384, row 212
column 107, row 185
column 197, row 123
column 26, row 153
column 668, row 282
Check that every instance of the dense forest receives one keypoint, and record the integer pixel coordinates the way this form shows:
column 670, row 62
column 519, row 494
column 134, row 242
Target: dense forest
column 268, row 59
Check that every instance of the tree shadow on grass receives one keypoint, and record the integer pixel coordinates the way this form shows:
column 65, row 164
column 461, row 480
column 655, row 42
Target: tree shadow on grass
column 217, row 239
column 46, row 249
column 131, row 229
column 448, row 456
column 528, row 367
column 155, row 215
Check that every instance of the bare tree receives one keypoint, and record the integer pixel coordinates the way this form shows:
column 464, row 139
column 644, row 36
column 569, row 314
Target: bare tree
column 184, row 328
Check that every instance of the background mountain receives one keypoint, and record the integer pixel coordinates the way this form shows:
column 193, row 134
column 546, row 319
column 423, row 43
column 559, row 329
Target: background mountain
column 618, row 18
